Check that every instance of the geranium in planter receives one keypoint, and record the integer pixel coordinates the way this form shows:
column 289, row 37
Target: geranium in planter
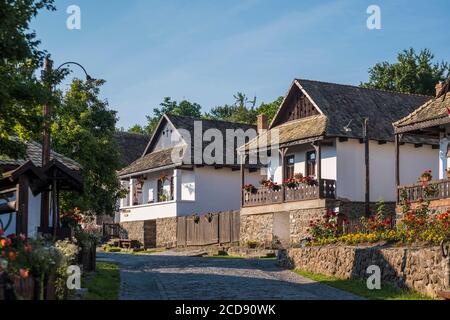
column 270, row 185
column 250, row 188
column 291, row 183
column 426, row 176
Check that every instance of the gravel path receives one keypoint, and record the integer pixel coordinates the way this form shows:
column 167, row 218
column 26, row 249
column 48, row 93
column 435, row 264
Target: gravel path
column 155, row 277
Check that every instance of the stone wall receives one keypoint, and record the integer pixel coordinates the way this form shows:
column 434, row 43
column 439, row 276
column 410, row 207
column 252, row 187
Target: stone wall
column 166, row 232
column 300, row 220
column 423, row 269
column 152, row 233
column 256, row 227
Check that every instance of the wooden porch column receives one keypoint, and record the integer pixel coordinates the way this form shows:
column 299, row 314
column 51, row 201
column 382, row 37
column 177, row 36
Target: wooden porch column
column 283, row 152
column 242, row 168
column 366, row 161
column 22, row 206
column 318, row 149
column 443, row 155
column 397, row 164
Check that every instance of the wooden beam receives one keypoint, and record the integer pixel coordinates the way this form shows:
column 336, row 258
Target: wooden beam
column 361, row 140
column 418, row 145
column 22, row 206
column 243, row 157
column 382, row 142
column 283, row 152
column 434, row 146
column 343, row 139
column 367, row 165
column 397, row 162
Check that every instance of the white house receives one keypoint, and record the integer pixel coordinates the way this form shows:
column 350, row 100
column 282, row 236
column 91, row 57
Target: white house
column 430, row 120
column 175, row 177
column 321, row 129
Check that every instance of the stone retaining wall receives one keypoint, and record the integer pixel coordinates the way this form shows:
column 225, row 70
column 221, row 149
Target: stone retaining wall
column 152, row 233
column 256, row 227
column 423, row 269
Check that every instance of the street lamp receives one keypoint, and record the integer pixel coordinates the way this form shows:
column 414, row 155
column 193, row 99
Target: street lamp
column 46, row 147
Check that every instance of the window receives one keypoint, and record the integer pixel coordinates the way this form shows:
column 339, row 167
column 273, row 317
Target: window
column 290, row 162
column 311, row 163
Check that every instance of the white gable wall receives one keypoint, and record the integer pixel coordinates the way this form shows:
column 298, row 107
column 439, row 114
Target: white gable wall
column 351, row 168
column 167, row 138
column 220, row 190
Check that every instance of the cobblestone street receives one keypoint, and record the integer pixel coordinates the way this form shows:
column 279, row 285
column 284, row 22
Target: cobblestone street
column 180, row 277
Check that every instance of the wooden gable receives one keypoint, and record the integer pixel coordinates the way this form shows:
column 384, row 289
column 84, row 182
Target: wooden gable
column 295, row 106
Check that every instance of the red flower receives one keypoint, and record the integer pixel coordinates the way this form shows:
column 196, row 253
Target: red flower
column 12, row 236
column 22, row 237
column 28, row 248
column 12, row 256
column 24, row 273
column 2, row 232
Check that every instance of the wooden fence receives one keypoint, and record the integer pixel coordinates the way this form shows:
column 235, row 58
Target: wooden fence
column 219, row 228
column 439, row 189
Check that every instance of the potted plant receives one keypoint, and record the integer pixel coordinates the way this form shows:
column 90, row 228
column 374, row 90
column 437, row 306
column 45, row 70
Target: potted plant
column 196, row 218
column 252, row 244
column 291, row 183
column 209, row 217
column 250, row 188
column 426, row 176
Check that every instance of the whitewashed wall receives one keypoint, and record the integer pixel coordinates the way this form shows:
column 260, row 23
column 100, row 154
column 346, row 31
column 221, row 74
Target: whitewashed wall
column 351, row 168
column 328, row 162
column 34, row 214
column 203, row 190
column 220, row 190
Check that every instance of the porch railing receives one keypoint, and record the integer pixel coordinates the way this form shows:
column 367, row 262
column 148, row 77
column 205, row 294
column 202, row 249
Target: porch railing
column 324, row 189
column 440, row 189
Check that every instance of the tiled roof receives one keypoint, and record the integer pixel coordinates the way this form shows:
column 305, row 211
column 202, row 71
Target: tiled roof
column 432, row 110
column 154, row 160
column 131, row 146
column 34, row 154
column 304, row 128
column 342, row 103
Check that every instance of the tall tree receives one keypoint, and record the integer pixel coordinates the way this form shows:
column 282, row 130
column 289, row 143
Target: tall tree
column 242, row 111
column 270, row 109
column 20, row 90
column 412, row 73
column 184, row 108
column 83, row 129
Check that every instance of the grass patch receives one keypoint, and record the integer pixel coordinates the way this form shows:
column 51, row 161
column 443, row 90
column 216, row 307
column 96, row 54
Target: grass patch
column 358, row 287
column 105, row 283
column 144, row 252
column 225, row 257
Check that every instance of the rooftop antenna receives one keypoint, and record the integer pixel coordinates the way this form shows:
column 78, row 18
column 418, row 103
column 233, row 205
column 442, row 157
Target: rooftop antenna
column 347, row 127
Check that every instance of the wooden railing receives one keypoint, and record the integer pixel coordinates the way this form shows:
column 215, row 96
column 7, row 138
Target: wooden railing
column 324, row 189
column 439, row 189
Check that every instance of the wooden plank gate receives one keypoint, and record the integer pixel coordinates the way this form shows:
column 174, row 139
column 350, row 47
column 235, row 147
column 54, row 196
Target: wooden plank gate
column 222, row 227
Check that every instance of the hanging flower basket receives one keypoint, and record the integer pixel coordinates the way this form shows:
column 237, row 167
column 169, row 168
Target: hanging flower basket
column 426, row 176
column 196, row 218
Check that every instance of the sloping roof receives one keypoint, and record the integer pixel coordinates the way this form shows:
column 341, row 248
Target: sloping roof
column 131, row 146
column 296, row 130
column 34, row 154
column 342, row 103
column 154, row 160
column 427, row 114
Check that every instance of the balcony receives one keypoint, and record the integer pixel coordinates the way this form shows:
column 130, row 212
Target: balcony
column 325, row 189
column 415, row 192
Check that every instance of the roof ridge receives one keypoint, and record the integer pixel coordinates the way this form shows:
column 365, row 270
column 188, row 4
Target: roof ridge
column 420, row 108
column 206, row 119
column 372, row 89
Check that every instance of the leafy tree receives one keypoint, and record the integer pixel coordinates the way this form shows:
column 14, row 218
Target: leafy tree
column 21, row 93
column 184, row 108
column 412, row 73
column 137, row 129
column 270, row 109
column 83, row 129
column 242, row 111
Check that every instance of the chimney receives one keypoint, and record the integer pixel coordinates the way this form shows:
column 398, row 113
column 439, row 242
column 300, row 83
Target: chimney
column 262, row 122
column 439, row 88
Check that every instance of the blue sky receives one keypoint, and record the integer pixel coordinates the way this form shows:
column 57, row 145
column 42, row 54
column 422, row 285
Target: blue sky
column 207, row 50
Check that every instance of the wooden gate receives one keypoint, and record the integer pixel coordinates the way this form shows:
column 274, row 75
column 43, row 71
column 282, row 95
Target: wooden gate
column 217, row 228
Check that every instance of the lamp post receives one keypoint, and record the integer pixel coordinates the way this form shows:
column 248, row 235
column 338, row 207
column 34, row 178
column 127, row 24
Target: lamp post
column 46, row 147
